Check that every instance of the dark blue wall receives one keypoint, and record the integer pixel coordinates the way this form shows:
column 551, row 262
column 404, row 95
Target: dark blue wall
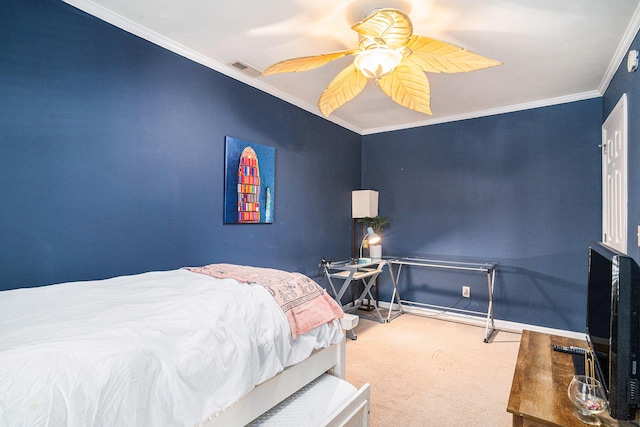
column 111, row 162
column 629, row 83
column 112, row 158
column 522, row 189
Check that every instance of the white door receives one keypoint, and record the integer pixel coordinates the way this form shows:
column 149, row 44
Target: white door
column 614, row 177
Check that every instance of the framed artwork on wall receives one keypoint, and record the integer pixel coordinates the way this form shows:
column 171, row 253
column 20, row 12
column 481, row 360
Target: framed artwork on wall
column 249, row 182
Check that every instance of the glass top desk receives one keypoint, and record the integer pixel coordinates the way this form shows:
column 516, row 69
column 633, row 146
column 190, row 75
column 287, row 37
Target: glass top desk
column 489, row 268
column 341, row 274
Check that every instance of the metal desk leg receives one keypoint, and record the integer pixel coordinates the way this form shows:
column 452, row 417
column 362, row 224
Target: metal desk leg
column 343, row 288
column 490, row 327
column 328, row 277
column 368, row 284
column 396, row 294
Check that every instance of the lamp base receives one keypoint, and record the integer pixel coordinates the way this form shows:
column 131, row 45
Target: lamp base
column 375, row 251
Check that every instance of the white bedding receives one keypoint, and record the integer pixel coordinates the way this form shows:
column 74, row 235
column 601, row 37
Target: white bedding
column 155, row 349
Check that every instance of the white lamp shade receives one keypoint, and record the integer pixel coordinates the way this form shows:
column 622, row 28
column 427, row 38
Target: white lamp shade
column 364, row 203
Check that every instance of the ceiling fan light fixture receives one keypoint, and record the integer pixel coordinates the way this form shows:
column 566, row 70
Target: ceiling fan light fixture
column 386, row 43
column 377, row 62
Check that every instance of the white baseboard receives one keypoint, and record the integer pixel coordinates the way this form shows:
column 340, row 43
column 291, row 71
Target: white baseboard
column 482, row 321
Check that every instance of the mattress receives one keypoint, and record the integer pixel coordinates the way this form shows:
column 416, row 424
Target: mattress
column 160, row 348
column 310, row 406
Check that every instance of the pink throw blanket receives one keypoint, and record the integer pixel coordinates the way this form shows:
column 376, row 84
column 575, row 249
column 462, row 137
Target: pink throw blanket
column 303, row 301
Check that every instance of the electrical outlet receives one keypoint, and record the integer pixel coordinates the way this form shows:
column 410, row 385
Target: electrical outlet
column 466, row 292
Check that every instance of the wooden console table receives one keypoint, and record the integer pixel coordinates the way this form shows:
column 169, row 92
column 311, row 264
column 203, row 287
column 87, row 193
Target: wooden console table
column 539, row 389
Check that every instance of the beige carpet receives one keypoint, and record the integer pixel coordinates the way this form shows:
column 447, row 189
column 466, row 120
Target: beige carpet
column 431, row 372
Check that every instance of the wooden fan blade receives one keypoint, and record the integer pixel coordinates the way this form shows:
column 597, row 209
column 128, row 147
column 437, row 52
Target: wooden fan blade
column 436, row 56
column 409, row 87
column 305, row 63
column 342, row 89
column 390, row 25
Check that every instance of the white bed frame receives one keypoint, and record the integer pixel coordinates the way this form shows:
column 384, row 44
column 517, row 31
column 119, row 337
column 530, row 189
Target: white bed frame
column 354, row 412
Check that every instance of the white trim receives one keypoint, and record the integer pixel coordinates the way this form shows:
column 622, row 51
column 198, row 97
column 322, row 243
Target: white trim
column 621, row 52
column 131, row 27
column 136, row 29
column 481, row 321
column 491, row 112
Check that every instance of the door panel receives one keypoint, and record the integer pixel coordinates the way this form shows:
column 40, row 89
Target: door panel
column 614, row 177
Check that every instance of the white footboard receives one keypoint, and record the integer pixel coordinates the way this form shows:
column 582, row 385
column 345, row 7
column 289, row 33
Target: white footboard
column 354, row 412
column 268, row 394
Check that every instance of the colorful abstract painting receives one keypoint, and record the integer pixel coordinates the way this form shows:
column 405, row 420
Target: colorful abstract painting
column 249, row 182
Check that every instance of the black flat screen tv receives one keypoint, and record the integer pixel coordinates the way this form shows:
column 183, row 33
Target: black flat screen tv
column 613, row 326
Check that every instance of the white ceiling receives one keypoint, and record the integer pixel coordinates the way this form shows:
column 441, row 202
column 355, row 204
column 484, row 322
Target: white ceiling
column 553, row 51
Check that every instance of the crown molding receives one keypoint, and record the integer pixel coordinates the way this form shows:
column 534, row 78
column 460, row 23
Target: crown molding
column 136, row 29
column 131, row 27
column 491, row 112
column 621, row 52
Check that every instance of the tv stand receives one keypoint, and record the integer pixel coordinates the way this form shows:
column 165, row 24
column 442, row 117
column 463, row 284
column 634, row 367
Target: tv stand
column 540, row 381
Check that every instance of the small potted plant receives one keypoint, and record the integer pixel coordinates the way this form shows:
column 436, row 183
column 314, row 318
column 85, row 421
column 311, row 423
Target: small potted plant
column 378, row 223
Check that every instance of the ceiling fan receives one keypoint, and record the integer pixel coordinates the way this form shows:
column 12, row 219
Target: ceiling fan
column 397, row 60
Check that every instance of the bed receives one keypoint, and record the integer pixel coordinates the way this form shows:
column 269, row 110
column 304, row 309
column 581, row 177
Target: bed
column 219, row 345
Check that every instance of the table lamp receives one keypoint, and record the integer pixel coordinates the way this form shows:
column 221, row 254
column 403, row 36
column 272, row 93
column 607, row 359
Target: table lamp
column 370, row 237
